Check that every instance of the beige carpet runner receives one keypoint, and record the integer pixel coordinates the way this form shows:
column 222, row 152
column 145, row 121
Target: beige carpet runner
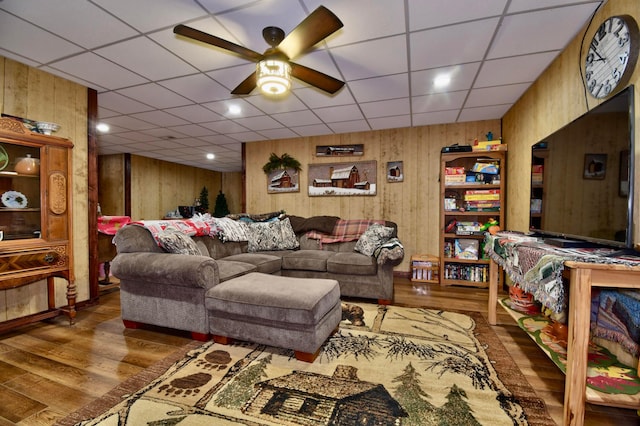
column 386, row 366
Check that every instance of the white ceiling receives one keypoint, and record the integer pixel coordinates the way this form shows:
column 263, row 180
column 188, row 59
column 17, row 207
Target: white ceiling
column 168, row 97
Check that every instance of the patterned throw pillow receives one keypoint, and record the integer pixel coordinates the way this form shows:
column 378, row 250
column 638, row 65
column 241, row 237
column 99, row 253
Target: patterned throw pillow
column 373, row 237
column 278, row 235
column 175, row 241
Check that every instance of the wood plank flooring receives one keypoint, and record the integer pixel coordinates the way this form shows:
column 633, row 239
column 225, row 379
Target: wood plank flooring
column 48, row 369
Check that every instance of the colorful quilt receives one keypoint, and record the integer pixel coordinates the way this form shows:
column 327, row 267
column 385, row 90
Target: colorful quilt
column 109, row 225
column 344, row 230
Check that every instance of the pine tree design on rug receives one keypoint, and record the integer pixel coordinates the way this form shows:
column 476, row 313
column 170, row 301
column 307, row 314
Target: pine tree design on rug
column 408, row 366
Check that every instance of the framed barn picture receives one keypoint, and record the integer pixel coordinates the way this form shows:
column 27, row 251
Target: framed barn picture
column 395, row 171
column 283, row 181
column 343, row 179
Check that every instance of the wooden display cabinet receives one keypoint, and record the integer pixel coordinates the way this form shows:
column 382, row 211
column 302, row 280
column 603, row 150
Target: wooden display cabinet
column 35, row 216
column 468, row 197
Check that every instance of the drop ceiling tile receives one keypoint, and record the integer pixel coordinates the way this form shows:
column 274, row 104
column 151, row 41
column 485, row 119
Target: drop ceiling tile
column 521, row 34
column 282, row 133
column 297, row 118
column 349, row 126
column 216, row 6
column 128, row 122
column 137, row 137
column 18, row 58
column 319, row 60
column 231, row 77
column 438, row 117
column 248, row 137
column 155, row 95
column 278, row 105
column 226, row 126
column 453, row 45
column 192, row 142
column 147, row 15
column 105, row 112
column 221, row 139
column 198, row 88
column 339, row 113
column 225, row 108
column 484, row 113
column 121, row 104
column 146, row 58
column 496, row 95
column 438, row 102
column 113, row 139
column 523, row 5
column 159, row 118
column 194, row 113
column 386, row 108
column 167, row 144
column 363, row 60
column 390, row 122
column 27, row 40
column 192, row 130
column 315, row 98
column 312, row 130
column 91, row 67
column 88, row 25
column 462, row 77
column 381, row 88
column 519, row 69
column 437, row 13
column 73, row 78
column 262, row 122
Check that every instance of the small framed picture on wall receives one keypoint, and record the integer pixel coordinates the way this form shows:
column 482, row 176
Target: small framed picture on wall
column 395, row 171
column 595, row 166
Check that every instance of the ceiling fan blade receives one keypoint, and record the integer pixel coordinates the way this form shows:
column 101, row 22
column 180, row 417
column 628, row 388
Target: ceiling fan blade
column 314, row 28
column 246, row 86
column 198, row 35
column 316, row 78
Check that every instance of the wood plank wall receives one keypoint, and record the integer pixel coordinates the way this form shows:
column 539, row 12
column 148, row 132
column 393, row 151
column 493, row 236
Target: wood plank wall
column 31, row 93
column 158, row 187
column 554, row 100
column 413, row 204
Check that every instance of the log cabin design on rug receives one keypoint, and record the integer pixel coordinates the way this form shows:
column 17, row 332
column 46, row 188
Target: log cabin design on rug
column 309, row 398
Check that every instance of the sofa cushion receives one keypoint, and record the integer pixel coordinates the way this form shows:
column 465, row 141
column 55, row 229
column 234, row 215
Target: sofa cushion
column 322, row 224
column 229, row 269
column 307, row 260
column 372, row 238
column 266, row 263
column 352, row 264
column 276, row 235
column 175, row 241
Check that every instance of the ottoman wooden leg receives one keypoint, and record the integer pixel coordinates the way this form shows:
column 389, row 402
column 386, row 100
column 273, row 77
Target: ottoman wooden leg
column 223, row 340
column 132, row 324
column 201, row 337
column 306, row 356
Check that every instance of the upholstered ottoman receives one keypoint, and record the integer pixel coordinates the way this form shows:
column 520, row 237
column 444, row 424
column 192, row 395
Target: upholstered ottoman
column 286, row 312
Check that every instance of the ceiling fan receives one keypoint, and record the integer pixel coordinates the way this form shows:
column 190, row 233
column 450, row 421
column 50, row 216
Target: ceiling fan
column 274, row 65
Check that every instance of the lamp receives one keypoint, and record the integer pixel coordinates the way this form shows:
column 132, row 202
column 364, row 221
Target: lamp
column 274, row 76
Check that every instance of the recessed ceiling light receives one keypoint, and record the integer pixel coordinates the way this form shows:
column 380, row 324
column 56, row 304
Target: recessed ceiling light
column 442, row 80
column 210, row 156
column 102, row 127
column 235, row 109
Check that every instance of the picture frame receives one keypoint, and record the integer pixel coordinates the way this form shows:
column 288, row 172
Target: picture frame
column 395, row 171
column 339, row 150
column 343, row 179
column 595, row 166
column 283, row 181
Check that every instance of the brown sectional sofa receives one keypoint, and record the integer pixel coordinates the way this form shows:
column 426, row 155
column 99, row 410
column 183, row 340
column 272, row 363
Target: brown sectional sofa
column 169, row 290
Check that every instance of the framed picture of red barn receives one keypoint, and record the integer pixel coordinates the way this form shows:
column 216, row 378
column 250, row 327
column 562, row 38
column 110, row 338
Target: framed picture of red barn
column 343, row 179
column 283, row 181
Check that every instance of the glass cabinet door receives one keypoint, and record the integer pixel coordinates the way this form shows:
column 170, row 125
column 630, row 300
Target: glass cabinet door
column 20, row 192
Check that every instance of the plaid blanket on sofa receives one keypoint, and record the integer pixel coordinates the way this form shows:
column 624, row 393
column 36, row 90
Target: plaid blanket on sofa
column 344, row 230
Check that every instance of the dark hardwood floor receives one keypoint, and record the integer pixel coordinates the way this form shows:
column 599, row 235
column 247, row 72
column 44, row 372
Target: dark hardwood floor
column 48, row 369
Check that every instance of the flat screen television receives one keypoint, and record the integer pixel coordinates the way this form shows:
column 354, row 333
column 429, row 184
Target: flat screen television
column 582, row 177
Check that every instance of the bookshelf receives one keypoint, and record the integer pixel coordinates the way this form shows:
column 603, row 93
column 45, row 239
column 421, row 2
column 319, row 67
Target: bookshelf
column 472, row 194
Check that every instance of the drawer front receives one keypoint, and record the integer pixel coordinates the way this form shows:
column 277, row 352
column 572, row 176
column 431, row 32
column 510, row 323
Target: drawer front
column 36, row 260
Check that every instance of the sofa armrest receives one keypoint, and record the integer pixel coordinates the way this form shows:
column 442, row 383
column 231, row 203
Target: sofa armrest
column 167, row 268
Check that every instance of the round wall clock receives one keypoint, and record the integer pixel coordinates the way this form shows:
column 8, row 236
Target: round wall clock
column 612, row 56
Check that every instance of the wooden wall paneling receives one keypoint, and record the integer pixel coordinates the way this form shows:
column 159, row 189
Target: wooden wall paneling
column 15, row 87
column 111, row 184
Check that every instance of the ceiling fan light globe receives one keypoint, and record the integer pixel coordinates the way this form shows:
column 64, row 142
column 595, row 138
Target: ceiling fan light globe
column 274, row 76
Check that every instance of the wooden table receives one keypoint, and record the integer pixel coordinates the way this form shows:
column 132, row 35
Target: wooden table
column 582, row 278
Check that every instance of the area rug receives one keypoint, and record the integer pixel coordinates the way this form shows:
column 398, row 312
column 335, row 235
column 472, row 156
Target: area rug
column 386, row 365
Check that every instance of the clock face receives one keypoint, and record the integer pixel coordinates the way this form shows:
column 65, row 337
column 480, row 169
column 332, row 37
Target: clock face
column 612, row 55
